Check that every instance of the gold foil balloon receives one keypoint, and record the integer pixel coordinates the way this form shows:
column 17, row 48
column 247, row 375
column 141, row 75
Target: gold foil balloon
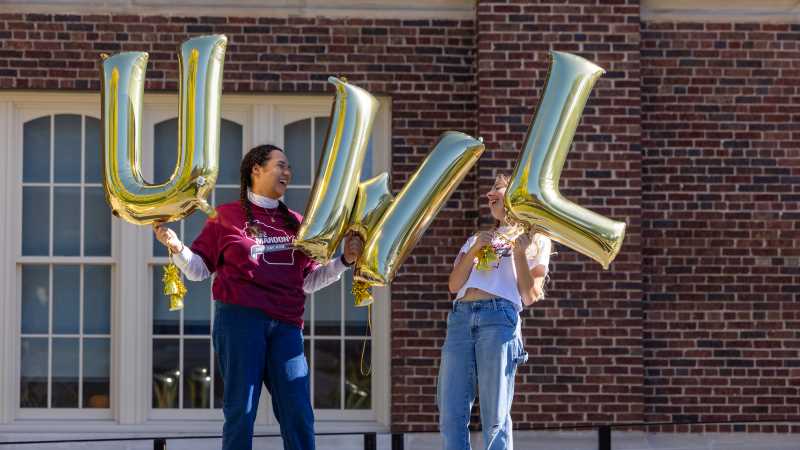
column 372, row 200
column 532, row 197
column 336, row 184
column 129, row 195
column 393, row 237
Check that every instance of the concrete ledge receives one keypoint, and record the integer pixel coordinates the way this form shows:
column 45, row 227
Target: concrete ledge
column 770, row 11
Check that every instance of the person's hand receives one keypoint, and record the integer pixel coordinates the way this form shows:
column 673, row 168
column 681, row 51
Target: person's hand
column 167, row 237
column 353, row 246
column 521, row 243
column 484, row 239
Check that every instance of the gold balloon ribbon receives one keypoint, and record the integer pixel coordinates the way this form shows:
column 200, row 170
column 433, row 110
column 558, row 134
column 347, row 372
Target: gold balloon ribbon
column 532, row 197
column 174, row 287
column 367, row 372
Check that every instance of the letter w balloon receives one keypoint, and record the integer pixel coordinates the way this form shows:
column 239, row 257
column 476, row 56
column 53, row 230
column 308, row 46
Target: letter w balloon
column 532, row 197
column 129, row 195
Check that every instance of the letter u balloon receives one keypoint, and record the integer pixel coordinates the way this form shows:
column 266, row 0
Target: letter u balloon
column 129, row 195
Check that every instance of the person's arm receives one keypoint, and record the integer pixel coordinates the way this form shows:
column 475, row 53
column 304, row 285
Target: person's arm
column 530, row 274
column 525, row 283
column 465, row 260
column 190, row 263
column 322, row 276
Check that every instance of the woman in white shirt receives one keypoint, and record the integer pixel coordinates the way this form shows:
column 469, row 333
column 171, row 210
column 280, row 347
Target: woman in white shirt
column 484, row 345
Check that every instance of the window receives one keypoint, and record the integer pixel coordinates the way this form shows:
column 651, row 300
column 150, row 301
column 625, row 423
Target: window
column 335, row 330
column 64, row 268
column 86, row 328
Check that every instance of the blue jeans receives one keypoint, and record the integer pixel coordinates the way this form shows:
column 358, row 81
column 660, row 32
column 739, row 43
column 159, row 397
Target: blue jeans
column 253, row 349
column 483, row 347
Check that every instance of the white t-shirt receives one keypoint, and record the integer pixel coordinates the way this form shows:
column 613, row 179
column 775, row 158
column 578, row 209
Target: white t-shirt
column 502, row 280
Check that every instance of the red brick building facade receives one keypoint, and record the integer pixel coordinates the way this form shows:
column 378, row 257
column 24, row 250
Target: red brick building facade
column 692, row 137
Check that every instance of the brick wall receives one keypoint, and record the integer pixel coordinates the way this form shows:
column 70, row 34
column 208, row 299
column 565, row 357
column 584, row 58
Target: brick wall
column 584, row 340
column 721, row 221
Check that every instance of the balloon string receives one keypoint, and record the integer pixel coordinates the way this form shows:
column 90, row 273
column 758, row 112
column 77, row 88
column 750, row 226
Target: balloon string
column 368, row 372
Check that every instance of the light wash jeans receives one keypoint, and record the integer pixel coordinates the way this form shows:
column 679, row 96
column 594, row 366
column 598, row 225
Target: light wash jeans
column 483, row 347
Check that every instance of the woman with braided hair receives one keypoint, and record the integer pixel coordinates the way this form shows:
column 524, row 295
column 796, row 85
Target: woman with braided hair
column 259, row 291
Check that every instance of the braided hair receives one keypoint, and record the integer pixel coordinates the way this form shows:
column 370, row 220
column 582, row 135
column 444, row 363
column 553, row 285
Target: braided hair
column 258, row 156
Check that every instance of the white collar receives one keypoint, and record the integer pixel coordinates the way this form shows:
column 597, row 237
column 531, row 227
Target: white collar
column 260, row 200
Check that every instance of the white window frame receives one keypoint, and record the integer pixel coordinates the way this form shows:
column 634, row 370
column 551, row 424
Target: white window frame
column 131, row 321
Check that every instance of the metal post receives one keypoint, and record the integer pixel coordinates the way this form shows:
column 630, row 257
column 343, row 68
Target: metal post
column 159, row 444
column 398, row 441
column 604, row 438
column 370, row 441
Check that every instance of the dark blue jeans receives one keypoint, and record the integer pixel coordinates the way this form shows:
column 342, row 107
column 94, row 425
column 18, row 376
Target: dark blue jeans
column 253, row 349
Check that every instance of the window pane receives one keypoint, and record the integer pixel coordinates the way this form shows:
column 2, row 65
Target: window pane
column 307, row 318
column 67, row 150
column 192, row 226
column 67, row 221
column 226, row 195
column 96, row 370
column 197, row 368
column 230, row 152
column 358, row 387
column 35, row 299
column 327, row 374
column 366, row 169
column 166, row 373
column 33, row 373
column 328, row 310
column 219, row 388
column 96, row 223
column 165, row 150
column 66, row 300
column 35, row 221
column 164, row 321
column 97, row 300
column 36, row 151
column 320, row 131
column 297, row 144
column 296, row 199
column 93, row 172
column 65, row 373
column 197, row 308
column 355, row 323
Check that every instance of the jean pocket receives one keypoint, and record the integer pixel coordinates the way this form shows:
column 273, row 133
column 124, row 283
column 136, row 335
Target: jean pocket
column 512, row 317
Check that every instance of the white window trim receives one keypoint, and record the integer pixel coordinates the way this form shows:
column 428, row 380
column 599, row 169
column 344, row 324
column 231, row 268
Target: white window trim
column 131, row 317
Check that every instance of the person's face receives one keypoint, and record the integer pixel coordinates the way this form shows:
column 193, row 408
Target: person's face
column 271, row 178
column 495, row 199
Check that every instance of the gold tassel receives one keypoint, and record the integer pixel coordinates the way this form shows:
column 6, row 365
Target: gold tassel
column 174, row 287
column 362, row 293
column 486, row 257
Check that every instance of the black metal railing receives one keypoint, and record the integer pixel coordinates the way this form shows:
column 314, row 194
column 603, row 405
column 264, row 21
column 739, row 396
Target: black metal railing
column 604, row 432
column 160, row 442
